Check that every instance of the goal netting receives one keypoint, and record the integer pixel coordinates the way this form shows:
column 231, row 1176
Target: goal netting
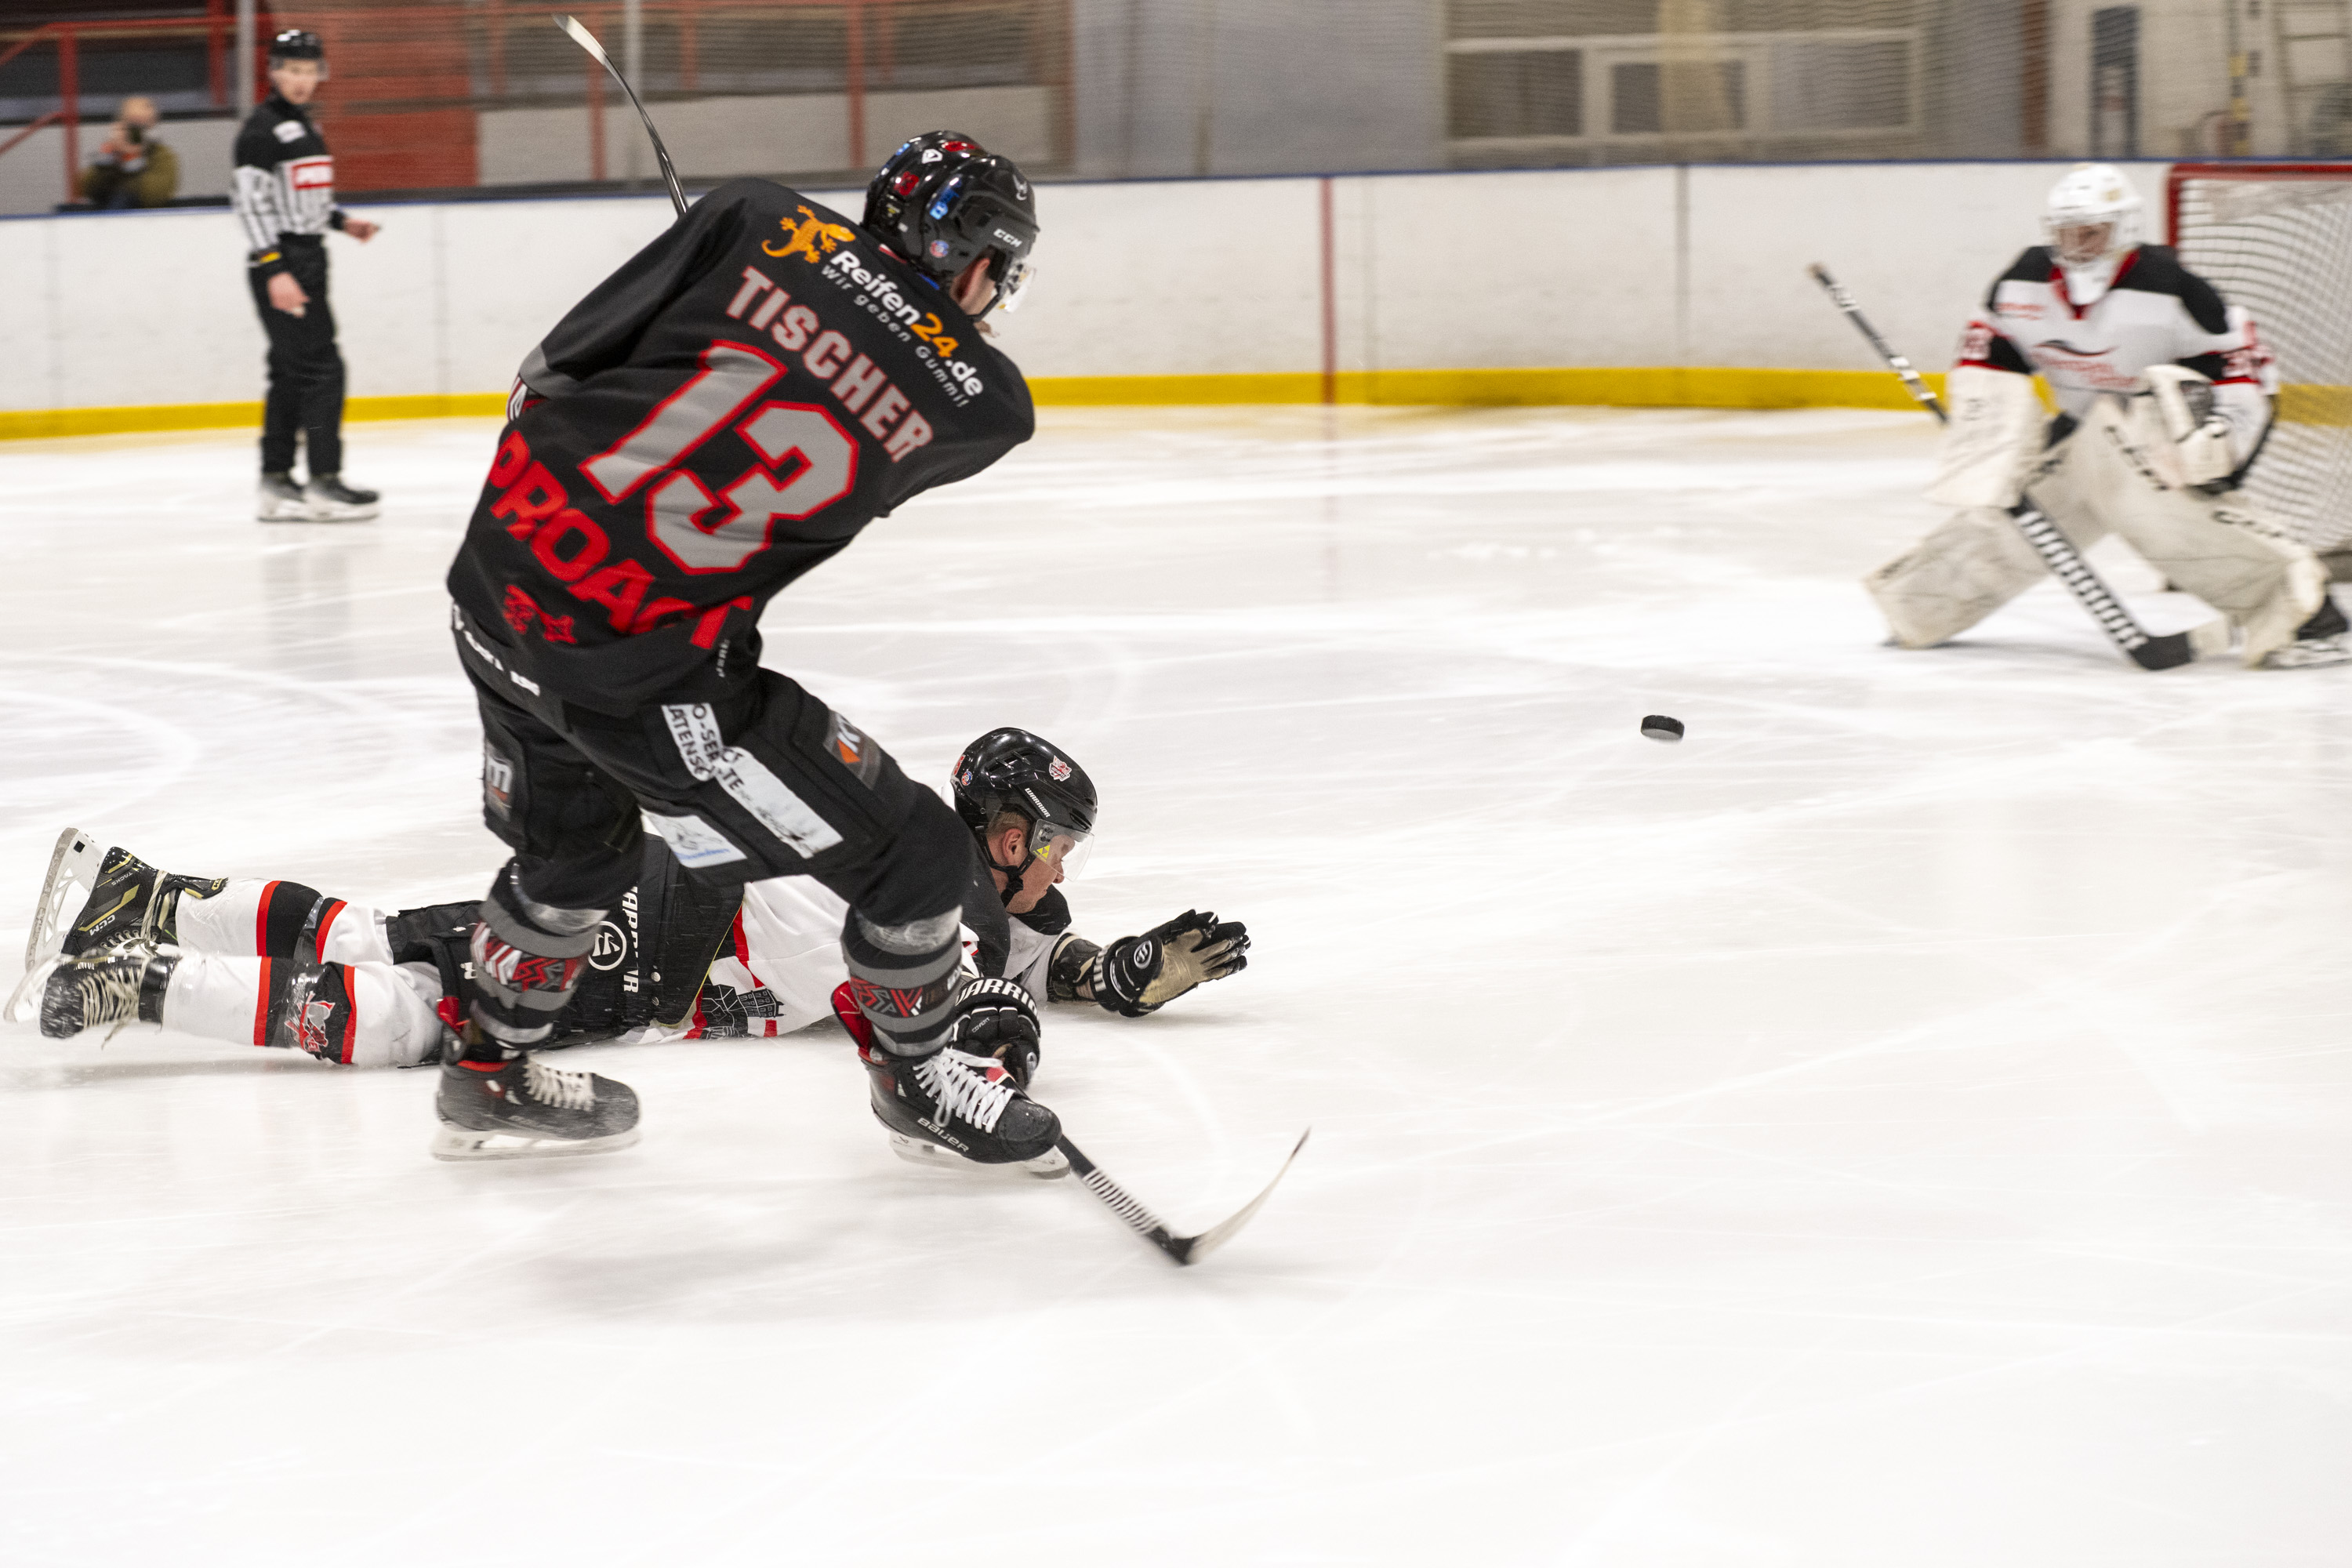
column 2277, row 239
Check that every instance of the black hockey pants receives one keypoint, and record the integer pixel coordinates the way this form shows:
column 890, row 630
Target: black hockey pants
column 306, row 368
column 768, row 783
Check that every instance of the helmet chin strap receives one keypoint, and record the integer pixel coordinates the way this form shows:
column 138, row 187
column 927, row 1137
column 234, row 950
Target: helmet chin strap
column 1012, row 874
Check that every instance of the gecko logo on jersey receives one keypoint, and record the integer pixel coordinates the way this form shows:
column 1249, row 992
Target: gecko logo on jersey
column 814, row 239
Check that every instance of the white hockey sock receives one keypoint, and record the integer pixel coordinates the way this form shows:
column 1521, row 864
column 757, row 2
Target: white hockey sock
column 369, row 1015
column 237, row 920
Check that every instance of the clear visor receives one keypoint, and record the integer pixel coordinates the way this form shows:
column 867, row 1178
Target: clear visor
column 1064, row 848
column 2081, row 244
column 1014, row 283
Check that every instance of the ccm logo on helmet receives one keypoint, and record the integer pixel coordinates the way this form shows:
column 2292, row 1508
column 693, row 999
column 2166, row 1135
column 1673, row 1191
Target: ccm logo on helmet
column 1013, row 241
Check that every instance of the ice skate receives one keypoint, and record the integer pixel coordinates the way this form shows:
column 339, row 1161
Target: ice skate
column 2310, row 653
column 522, row 1109
column 121, row 985
column 953, row 1109
column 331, row 500
column 122, row 898
column 280, row 500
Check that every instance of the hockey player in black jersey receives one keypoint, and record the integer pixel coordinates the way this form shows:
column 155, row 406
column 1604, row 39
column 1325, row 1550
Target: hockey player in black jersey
column 2165, row 395
column 284, row 195
column 721, row 415
column 271, row 962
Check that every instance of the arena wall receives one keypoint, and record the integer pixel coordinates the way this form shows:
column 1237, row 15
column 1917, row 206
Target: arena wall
column 1669, row 285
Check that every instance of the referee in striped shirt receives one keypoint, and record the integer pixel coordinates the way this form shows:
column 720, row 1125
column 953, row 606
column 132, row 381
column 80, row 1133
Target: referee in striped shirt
column 285, row 197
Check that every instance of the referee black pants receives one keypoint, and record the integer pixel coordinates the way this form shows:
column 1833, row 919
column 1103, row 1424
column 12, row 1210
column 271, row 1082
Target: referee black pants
column 306, row 369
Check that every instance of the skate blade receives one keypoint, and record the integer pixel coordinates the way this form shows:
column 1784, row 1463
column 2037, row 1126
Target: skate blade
column 72, row 865
column 452, row 1142
column 26, row 1000
column 1052, row 1163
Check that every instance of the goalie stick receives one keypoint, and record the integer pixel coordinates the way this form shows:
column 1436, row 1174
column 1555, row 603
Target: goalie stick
column 587, row 40
column 2065, row 563
column 1150, row 1226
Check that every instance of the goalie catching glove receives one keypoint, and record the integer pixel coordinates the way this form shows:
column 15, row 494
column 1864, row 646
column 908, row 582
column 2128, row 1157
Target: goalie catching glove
column 1140, row 975
column 2184, row 430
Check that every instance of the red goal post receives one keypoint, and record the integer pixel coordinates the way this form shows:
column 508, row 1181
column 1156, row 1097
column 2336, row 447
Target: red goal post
column 2276, row 238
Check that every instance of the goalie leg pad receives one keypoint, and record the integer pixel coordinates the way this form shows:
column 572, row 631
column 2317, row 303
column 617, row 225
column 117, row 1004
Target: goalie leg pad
column 2227, row 553
column 1964, row 571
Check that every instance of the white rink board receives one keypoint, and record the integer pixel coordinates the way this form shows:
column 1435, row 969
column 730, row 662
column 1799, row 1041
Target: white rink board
column 1906, row 1123
column 1561, row 267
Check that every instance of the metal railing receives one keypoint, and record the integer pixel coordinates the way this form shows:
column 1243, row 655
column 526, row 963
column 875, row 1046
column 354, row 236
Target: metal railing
column 217, row 27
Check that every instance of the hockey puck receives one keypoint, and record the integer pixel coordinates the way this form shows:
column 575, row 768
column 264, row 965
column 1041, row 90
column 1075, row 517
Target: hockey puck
column 1658, row 727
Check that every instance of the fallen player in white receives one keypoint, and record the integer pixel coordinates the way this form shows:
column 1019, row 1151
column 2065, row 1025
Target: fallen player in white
column 2165, row 393
column 277, row 964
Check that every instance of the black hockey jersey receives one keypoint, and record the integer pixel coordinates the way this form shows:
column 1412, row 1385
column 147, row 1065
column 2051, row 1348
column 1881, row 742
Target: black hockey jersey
column 716, row 418
column 284, row 181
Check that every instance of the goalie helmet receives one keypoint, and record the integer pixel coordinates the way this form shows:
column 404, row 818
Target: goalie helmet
column 2085, row 196
column 1013, row 770
column 942, row 202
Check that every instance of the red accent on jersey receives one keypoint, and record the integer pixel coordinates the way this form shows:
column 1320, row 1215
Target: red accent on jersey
column 261, row 997
column 335, row 907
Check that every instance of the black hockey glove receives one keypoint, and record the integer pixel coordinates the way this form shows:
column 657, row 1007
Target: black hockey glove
column 993, row 1018
column 1139, row 975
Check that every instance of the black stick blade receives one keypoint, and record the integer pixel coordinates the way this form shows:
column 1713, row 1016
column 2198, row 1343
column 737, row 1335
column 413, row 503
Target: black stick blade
column 2165, row 652
column 1181, row 1249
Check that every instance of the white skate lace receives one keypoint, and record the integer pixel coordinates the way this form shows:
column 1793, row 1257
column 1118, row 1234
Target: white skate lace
column 957, row 1084
column 552, row 1086
column 109, row 992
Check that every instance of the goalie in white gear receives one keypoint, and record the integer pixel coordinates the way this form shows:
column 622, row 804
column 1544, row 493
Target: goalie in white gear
column 2164, row 398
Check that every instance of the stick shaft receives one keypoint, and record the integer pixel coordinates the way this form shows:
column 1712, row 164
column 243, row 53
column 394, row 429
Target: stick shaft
column 587, row 40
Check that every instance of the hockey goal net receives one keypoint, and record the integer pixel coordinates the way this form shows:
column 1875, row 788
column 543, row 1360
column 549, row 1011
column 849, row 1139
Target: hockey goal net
column 2277, row 239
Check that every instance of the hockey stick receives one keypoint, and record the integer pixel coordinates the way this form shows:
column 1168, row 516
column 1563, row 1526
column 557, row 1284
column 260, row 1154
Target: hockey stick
column 2065, row 563
column 1150, row 1226
column 587, row 40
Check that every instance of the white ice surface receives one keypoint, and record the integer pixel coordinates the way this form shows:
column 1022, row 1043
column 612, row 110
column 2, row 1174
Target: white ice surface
column 1908, row 1124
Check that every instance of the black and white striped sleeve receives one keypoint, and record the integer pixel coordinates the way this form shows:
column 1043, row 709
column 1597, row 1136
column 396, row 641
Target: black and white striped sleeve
column 257, row 198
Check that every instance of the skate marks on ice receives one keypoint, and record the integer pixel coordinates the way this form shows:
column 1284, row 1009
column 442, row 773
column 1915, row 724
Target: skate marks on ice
column 1906, row 1126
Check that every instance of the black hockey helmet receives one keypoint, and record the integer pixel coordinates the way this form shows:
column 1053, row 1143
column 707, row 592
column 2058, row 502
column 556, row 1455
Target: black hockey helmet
column 942, row 202
column 1013, row 770
column 294, row 44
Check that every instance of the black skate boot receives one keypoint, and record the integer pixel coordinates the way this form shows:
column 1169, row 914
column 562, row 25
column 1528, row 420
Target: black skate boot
column 516, row 1109
column 331, row 500
column 129, row 901
column 952, row 1108
column 279, row 500
column 117, row 986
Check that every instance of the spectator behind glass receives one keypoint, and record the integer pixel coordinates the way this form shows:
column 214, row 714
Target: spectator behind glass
column 131, row 169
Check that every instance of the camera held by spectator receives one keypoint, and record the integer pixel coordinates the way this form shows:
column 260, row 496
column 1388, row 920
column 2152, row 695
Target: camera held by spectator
column 132, row 169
